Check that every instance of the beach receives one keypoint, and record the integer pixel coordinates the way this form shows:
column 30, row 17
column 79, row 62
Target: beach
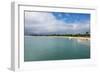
column 80, row 38
column 70, row 37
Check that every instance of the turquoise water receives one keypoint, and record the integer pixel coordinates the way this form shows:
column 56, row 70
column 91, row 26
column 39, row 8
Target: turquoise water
column 39, row 48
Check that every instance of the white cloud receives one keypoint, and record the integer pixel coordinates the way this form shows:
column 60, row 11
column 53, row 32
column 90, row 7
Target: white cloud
column 37, row 22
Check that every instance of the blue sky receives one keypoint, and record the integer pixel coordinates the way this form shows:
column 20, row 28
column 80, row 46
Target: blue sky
column 72, row 17
column 56, row 22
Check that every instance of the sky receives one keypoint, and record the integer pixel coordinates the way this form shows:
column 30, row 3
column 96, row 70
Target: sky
column 56, row 23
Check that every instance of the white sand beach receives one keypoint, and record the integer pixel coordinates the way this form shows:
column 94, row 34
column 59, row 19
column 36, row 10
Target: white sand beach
column 78, row 38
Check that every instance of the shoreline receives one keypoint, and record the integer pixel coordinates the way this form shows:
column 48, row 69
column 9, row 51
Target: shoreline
column 80, row 38
column 70, row 37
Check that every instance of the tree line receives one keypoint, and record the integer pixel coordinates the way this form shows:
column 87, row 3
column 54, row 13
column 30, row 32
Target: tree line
column 87, row 34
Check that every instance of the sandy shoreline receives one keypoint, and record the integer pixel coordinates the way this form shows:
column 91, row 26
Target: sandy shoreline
column 78, row 38
column 69, row 37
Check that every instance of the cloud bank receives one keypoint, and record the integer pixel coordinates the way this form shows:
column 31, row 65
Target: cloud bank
column 47, row 23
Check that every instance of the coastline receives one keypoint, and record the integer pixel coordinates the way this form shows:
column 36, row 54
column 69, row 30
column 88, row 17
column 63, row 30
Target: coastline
column 70, row 37
column 80, row 38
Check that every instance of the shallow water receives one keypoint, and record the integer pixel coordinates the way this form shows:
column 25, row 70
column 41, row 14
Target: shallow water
column 39, row 48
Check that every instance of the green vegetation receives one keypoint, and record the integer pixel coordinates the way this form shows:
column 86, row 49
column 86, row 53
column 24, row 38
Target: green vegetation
column 72, row 35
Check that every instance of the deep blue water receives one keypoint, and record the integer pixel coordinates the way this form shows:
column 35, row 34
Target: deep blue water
column 39, row 48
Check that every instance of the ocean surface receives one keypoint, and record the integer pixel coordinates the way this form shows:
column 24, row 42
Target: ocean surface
column 43, row 48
